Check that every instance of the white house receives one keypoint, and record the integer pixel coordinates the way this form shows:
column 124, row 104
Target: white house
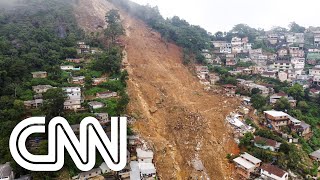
column 315, row 71
column 144, row 156
column 95, row 105
column 73, row 98
column 269, row 171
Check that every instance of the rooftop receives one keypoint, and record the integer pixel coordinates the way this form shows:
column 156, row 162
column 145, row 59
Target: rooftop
column 276, row 113
column 251, row 158
column 273, row 170
column 246, row 164
column 147, row 168
column 144, row 154
column 268, row 142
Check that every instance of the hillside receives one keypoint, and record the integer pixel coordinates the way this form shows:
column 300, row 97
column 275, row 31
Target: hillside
column 181, row 121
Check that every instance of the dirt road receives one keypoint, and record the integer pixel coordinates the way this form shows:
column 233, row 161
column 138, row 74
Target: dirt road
column 184, row 124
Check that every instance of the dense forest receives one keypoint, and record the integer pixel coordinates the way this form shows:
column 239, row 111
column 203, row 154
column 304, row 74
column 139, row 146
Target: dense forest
column 38, row 35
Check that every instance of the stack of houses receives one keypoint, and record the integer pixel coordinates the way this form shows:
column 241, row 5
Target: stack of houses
column 74, row 98
column 248, row 167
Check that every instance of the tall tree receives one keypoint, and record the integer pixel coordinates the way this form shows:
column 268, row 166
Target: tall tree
column 54, row 102
column 114, row 28
column 296, row 28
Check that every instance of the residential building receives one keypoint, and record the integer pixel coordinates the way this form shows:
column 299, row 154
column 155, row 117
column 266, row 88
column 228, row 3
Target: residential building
column 89, row 174
column 282, row 52
column 73, row 98
column 144, row 156
column 227, row 49
column 229, row 89
column 219, row 44
column 316, row 38
column 78, row 80
column 74, row 60
column 314, row 92
column 315, row 155
column 33, row 103
column 295, row 38
column 296, row 52
column 316, row 80
column 282, row 65
column 273, row 39
column 283, row 76
column 315, row 71
column 246, row 164
column 265, row 143
column 82, row 48
column 107, row 94
column 298, row 63
column 269, row 74
column 276, row 118
column 97, row 81
column 6, row 172
column 302, row 129
column 102, row 117
column 70, row 68
column 275, row 97
column 95, row 105
column 230, row 60
column 40, row 74
column 41, row 88
column 269, row 171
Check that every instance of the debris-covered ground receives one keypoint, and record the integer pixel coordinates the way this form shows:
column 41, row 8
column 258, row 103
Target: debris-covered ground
column 185, row 125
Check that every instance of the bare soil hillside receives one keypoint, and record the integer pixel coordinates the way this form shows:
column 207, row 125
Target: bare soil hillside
column 184, row 124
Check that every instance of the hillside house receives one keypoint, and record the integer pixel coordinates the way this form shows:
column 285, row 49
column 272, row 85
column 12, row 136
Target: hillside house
column 295, row 38
column 265, row 143
column 213, row 78
column 217, row 60
column 102, row 117
column 315, row 155
column 283, row 76
column 282, row 65
column 316, row 80
column 74, row 99
column 314, row 92
column 246, row 164
column 227, row 49
column 275, row 97
column 97, row 81
column 273, row 39
column 107, row 94
column 202, row 71
column 39, row 74
column 144, row 156
column 296, row 52
column 269, row 171
column 6, row 172
column 83, row 48
column 70, row 68
column 78, row 80
column 95, row 105
column 219, row 44
column 298, row 63
column 302, row 129
column 74, row 60
column 229, row 89
column 282, row 52
column 277, row 119
column 315, row 71
column 230, row 60
column 41, row 88
column 269, row 74
column 316, row 40
column 89, row 174
column 33, row 103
